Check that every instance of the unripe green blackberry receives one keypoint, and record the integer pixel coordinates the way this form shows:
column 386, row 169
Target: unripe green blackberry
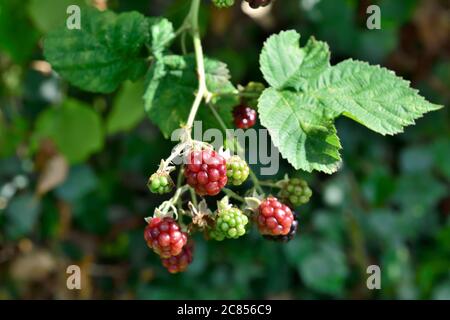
column 223, row 3
column 230, row 223
column 296, row 191
column 237, row 170
column 160, row 184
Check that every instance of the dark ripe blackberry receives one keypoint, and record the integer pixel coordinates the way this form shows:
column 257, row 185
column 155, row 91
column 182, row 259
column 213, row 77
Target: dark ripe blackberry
column 244, row 116
column 258, row 3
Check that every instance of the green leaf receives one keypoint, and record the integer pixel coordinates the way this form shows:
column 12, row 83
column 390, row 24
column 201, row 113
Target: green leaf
column 128, row 108
column 172, row 83
column 325, row 269
column 300, row 130
column 103, row 53
column 81, row 181
column 161, row 34
column 308, row 93
column 370, row 95
column 18, row 38
column 285, row 65
column 75, row 128
column 48, row 15
column 22, row 215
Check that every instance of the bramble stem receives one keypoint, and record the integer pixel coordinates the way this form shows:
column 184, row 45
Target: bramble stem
column 193, row 197
column 269, row 184
column 233, row 194
column 202, row 92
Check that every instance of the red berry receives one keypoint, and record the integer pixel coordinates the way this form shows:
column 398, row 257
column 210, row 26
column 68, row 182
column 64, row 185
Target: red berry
column 206, row 172
column 244, row 117
column 274, row 218
column 287, row 237
column 180, row 262
column 165, row 237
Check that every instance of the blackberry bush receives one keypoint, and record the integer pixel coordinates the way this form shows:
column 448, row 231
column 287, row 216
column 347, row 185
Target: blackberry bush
column 303, row 96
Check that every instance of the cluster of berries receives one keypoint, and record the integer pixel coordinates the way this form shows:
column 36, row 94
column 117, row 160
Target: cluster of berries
column 207, row 172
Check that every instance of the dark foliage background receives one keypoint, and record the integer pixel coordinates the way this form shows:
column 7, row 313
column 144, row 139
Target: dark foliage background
column 389, row 205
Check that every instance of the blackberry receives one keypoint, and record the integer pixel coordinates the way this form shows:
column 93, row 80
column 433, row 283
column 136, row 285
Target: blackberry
column 206, row 172
column 223, row 3
column 288, row 237
column 258, row 3
column 165, row 237
column 230, row 223
column 274, row 218
column 244, row 116
column 237, row 170
column 160, row 184
column 296, row 191
column 179, row 263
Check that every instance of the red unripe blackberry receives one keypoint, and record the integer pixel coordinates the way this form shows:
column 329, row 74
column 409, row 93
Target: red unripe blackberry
column 206, row 172
column 274, row 218
column 165, row 237
column 180, row 262
column 244, row 116
column 288, row 237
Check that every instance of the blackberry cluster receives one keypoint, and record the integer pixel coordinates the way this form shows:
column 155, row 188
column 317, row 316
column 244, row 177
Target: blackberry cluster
column 230, row 224
column 206, row 172
column 237, row 170
column 296, row 191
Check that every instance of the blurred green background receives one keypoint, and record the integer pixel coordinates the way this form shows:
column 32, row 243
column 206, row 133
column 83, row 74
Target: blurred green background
column 73, row 180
